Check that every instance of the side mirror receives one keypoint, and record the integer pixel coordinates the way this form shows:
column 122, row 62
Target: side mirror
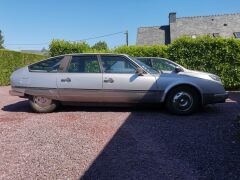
column 139, row 71
column 178, row 69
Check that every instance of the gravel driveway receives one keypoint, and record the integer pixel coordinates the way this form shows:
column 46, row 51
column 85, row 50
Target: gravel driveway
column 118, row 143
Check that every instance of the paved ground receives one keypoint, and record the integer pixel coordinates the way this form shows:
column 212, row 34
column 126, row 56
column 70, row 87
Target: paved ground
column 118, row 143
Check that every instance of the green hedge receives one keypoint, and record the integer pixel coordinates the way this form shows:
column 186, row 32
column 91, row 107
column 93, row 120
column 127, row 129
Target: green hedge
column 216, row 55
column 59, row 47
column 10, row 60
column 143, row 51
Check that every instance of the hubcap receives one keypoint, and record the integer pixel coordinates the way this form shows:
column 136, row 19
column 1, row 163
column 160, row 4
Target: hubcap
column 42, row 101
column 183, row 101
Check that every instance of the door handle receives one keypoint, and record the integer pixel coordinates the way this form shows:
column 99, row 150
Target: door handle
column 109, row 80
column 66, row 80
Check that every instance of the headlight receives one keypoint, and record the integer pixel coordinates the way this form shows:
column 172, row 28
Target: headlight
column 214, row 77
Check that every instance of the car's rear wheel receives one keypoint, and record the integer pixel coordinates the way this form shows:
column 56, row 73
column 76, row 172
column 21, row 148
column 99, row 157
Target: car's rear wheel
column 42, row 104
column 183, row 100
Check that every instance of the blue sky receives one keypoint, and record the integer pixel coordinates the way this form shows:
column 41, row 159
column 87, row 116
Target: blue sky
column 34, row 22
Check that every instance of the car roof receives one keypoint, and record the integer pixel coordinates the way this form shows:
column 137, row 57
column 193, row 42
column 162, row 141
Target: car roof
column 154, row 58
column 76, row 54
column 150, row 58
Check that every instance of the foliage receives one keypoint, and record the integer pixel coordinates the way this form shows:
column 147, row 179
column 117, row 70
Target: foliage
column 1, row 40
column 143, row 51
column 101, row 45
column 10, row 60
column 220, row 56
column 59, row 47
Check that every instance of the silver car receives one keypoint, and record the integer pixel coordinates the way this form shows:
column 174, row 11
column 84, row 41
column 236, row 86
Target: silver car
column 113, row 78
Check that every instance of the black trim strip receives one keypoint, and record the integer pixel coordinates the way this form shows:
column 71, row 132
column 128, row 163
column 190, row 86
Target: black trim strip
column 76, row 89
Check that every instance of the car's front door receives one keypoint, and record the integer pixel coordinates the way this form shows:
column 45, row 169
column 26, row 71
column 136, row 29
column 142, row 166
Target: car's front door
column 82, row 80
column 122, row 84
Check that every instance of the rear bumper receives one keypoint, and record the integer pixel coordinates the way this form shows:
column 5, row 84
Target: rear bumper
column 214, row 98
column 16, row 93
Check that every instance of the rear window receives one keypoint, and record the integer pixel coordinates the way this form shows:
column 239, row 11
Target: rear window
column 49, row 65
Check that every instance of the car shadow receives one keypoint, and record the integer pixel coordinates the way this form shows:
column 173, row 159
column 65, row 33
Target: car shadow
column 112, row 108
column 162, row 146
column 235, row 96
column 21, row 106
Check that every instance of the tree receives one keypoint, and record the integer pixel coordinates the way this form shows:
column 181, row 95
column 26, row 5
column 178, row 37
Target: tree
column 101, row 45
column 1, row 40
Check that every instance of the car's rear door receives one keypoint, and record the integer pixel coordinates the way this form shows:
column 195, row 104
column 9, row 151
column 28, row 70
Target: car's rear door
column 122, row 84
column 82, row 80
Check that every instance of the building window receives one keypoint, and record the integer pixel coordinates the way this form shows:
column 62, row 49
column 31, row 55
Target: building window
column 237, row 35
column 225, row 25
column 216, row 35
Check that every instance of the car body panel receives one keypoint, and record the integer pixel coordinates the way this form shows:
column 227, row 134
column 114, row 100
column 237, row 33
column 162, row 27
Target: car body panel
column 85, row 87
column 130, row 88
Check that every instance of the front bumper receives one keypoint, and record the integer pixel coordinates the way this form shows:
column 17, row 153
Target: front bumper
column 214, row 98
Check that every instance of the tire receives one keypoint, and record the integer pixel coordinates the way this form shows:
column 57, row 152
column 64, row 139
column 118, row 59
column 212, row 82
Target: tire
column 42, row 104
column 183, row 101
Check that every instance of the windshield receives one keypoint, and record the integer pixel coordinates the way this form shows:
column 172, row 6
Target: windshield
column 163, row 65
column 160, row 64
column 146, row 67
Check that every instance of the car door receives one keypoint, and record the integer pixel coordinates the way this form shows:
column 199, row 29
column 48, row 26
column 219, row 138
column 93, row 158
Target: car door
column 41, row 78
column 82, row 80
column 122, row 84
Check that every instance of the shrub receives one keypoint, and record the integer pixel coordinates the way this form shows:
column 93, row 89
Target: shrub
column 10, row 60
column 101, row 45
column 216, row 55
column 59, row 47
column 143, row 51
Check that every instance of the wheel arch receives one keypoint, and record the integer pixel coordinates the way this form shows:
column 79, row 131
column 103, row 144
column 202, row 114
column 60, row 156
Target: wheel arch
column 193, row 86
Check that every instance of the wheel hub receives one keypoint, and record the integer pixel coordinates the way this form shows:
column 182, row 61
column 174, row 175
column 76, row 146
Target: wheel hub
column 42, row 101
column 183, row 101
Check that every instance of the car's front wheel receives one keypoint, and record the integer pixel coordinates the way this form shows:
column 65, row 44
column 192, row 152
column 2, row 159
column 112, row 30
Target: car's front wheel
column 182, row 100
column 42, row 104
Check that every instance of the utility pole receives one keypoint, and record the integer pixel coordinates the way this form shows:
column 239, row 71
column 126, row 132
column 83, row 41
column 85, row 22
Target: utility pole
column 126, row 34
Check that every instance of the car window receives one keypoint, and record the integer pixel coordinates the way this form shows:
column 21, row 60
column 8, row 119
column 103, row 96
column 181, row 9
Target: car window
column 117, row 64
column 147, row 68
column 84, row 64
column 163, row 65
column 146, row 61
column 49, row 65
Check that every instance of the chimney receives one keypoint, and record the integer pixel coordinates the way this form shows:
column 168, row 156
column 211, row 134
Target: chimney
column 172, row 17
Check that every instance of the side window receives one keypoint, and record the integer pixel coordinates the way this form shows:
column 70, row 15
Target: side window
column 146, row 61
column 49, row 65
column 84, row 64
column 117, row 64
column 163, row 65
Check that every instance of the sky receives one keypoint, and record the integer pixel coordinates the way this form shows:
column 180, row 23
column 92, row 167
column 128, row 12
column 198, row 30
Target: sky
column 39, row 21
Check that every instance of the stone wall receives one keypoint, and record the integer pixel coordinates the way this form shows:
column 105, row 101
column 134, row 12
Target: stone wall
column 225, row 25
column 153, row 35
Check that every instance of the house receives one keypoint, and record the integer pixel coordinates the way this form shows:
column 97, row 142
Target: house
column 225, row 25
